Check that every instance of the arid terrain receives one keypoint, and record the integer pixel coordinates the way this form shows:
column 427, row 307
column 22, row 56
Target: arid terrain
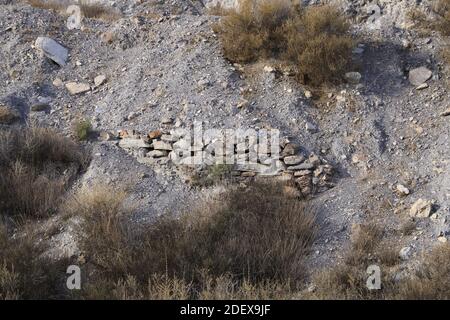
column 91, row 118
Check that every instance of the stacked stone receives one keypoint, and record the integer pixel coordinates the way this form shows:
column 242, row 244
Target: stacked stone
column 171, row 147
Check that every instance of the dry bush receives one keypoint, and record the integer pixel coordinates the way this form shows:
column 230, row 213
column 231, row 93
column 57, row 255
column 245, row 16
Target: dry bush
column 24, row 272
column 88, row 9
column 431, row 280
column 348, row 279
column 440, row 21
column 7, row 115
column 37, row 165
column 314, row 40
column 257, row 237
column 318, row 46
column 442, row 9
column 49, row 4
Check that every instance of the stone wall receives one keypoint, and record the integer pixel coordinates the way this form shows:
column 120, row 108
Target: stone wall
column 172, row 150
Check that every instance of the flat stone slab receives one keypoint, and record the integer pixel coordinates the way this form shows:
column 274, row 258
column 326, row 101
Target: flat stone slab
column 419, row 76
column 52, row 50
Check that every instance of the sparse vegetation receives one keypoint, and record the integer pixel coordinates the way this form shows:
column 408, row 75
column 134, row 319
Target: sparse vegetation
column 25, row 273
column 82, row 128
column 88, row 9
column 314, row 40
column 37, row 165
column 254, row 238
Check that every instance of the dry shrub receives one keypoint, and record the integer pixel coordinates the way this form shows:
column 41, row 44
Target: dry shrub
column 88, row 9
column 314, row 40
column 36, row 167
column 431, row 280
column 348, row 279
column 440, row 21
column 7, row 115
column 442, row 9
column 255, row 236
column 24, row 272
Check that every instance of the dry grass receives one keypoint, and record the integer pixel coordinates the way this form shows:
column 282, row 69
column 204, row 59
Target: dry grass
column 88, row 10
column 431, row 281
column 24, row 272
column 442, row 9
column 7, row 115
column 314, row 40
column 348, row 280
column 253, row 239
column 37, row 165
column 440, row 21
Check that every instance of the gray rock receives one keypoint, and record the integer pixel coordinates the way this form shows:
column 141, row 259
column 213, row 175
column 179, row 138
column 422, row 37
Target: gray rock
column 52, row 50
column 311, row 127
column 293, row 160
column 419, row 76
column 303, row 166
column 99, row 80
column 405, row 253
column 157, row 154
column 77, row 88
column 161, row 145
column 132, row 143
column 353, row 77
column 421, row 209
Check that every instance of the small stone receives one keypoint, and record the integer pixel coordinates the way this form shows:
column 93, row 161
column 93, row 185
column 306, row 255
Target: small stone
column 446, row 113
column 77, row 88
column 421, row 209
column 293, row 160
column 132, row 143
column 248, row 174
column 423, row 86
column 419, row 75
column 311, row 127
column 105, row 136
column 269, row 69
column 442, row 239
column 308, row 94
column 405, row 253
column 353, row 77
column 301, row 173
column 166, row 120
column 58, row 83
column 157, row 153
column 402, row 190
column 290, row 149
column 303, row 166
column 161, row 145
column 155, row 134
column 99, row 80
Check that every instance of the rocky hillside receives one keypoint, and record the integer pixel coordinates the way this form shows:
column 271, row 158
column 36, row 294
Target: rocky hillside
column 374, row 148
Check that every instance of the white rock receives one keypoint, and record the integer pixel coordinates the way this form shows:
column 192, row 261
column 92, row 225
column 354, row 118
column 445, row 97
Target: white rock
column 161, row 145
column 419, row 76
column 77, row 88
column 293, row 160
column 405, row 253
column 99, row 80
column 132, row 143
column 402, row 190
column 52, row 50
column 420, row 209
